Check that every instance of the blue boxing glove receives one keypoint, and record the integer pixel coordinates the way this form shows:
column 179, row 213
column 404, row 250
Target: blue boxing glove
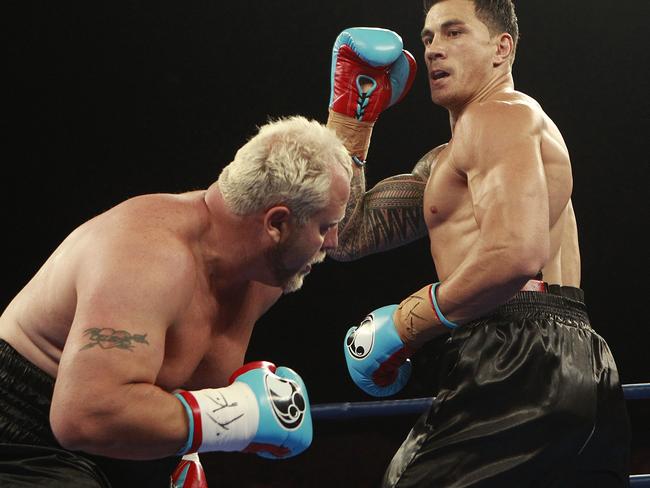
column 265, row 410
column 285, row 427
column 377, row 358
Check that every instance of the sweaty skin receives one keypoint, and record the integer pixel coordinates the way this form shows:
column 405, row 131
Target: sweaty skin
column 495, row 200
column 158, row 293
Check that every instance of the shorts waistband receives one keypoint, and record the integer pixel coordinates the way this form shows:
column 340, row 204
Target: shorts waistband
column 566, row 291
column 561, row 300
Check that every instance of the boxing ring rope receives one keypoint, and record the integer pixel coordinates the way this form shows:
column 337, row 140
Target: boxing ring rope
column 352, row 410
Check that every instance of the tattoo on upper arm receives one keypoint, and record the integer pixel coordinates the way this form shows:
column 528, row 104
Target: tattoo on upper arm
column 388, row 215
column 108, row 338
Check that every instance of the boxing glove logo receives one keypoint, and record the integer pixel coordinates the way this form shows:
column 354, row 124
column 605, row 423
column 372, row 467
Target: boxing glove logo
column 360, row 342
column 287, row 401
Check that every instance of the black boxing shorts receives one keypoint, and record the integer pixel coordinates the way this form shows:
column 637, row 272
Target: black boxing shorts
column 528, row 396
column 29, row 452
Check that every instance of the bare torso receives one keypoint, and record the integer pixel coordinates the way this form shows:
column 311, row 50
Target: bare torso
column 450, row 215
column 206, row 340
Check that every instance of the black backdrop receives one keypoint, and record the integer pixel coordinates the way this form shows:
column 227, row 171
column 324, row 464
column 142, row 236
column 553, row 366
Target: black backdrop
column 107, row 100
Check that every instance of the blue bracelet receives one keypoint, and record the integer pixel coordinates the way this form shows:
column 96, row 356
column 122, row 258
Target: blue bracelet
column 358, row 161
column 447, row 323
column 190, row 418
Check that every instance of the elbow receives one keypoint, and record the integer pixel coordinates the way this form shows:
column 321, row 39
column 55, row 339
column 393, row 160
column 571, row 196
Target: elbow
column 338, row 255
column 345, row 251
column 70, row 431
column 77, row 431
column 530, row 258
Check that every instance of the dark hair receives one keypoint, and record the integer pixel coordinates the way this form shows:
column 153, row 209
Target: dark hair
column 498, row 15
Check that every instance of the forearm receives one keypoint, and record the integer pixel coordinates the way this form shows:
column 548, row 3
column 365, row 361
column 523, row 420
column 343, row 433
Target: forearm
column 137, row 421
column 484, row 280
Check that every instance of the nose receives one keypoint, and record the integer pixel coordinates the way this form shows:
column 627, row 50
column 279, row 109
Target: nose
column 331, row 240
column 434, row 50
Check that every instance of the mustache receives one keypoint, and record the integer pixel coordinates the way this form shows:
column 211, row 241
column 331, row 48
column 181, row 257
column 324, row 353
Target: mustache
column 319, row 258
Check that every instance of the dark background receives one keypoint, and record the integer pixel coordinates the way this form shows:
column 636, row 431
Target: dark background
column 107, row 100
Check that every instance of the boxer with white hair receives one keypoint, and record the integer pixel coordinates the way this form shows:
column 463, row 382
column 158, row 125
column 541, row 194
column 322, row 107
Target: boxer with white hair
column 128, row 343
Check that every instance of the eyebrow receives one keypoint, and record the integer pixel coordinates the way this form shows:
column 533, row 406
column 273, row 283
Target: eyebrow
column 445, row 25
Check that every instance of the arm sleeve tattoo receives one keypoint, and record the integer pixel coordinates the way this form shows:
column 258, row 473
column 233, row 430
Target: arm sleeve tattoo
column 385, row 217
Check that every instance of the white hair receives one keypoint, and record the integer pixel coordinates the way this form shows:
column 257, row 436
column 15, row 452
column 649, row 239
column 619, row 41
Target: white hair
column 288, row 162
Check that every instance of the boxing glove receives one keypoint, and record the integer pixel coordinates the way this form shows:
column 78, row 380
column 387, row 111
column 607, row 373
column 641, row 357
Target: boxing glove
column 189, row 473
column 370, row 72
column 264, row 410
column 376, row 357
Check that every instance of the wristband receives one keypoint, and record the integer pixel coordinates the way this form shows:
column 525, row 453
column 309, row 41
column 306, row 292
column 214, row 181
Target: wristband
column 359, row 162
column 193, row 441
column 434, row 301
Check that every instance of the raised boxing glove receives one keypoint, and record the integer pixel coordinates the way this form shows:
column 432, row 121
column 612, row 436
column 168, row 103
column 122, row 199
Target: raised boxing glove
column 376, row 357
column 264, row 410
column 370, row 72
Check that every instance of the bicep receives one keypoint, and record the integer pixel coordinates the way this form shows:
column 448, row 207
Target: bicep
column 117, row 338
column 514, row 183
column 507, row 183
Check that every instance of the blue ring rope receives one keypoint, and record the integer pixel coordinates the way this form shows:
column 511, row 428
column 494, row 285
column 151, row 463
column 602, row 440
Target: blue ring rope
column 328, row 411
column 640, row 480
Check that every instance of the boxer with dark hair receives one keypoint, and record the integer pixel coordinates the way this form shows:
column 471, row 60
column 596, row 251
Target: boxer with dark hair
column 128, row 343
column 528, row 394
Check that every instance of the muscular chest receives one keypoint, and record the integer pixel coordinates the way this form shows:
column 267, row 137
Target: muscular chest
column 446, row 197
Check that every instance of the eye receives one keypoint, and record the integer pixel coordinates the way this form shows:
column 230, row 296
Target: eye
column 454, row 33
column 426, row 41
column 325, row 229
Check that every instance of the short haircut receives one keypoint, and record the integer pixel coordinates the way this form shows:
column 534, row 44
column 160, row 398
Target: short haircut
column 288, row 162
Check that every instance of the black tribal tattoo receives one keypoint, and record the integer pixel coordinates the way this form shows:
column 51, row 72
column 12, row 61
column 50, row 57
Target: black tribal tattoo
column 107, row 338
column 387, row 216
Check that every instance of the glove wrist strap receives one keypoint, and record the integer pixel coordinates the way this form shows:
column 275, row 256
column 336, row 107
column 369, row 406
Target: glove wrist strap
column 355, row 135
column 220, row 419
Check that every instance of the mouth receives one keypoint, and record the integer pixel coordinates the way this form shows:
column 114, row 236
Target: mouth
column 438, row 74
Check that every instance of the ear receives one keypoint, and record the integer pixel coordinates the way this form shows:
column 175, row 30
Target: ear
column 504, row 48
column 277, row 222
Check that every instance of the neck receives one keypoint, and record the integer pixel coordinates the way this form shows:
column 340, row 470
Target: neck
column 501, row 84
column 231, row 251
